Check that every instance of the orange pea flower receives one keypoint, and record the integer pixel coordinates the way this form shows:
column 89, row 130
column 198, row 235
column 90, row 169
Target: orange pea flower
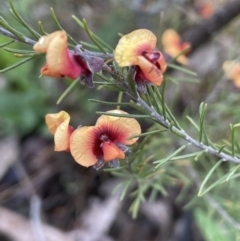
column 173, row 46
column 58, row 125
column 61, row 61
column 137, row 48
column 206, row 10
column 232, row 70
column 105, row 142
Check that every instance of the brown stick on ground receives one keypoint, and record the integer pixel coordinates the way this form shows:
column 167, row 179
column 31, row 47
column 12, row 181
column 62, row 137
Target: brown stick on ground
column 201, row 33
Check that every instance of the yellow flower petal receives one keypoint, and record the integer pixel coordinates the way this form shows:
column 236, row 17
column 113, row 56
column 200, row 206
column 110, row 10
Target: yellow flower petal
column 53, row 121
column 170, row 37
column 62, row 137
column 122, row 127
column 232, row 70
column 58, row 124
column 132, row 45
column 173, row 45
column 57, row 54
column 43, row 43
column 82, row 143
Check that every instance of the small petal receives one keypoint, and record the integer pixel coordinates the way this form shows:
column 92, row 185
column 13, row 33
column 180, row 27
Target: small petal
column 132, row 45
column 58, row 124
column 232, row 70
column 82, row 143
column 43, row 43
column 62, row 137
column 53, row 121
column 150, row 71
column 173, row 45
column 121, row 127
column 170, row 37
column 111, row 152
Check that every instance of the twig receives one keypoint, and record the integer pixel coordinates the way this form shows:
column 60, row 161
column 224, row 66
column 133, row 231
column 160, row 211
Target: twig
column 152, row 112
column 32, row 42
column 180, row 132
column 10, row 35
column 212, row 201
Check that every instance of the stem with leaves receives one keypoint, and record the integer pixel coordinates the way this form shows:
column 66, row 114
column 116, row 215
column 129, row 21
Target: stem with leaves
column 180, row 132
column 140, row 103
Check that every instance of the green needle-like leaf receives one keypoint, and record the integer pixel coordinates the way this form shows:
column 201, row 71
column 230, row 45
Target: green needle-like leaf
column 163, row 161
column 124, row 115
column 95, row 39
column 199, row 155
column 200, row 193
column 167, row 110
column 163, row 99
column 232, row 172
column 108, row 103
column 91, row 36
column 59, row 25
column 184, row 70
column 89, row 45
column 155, row 101
column 10, row 29
column 22, row 21
column 202, row 113
column 6, row 44
column 234, row 141
column 19, row 51
column 67, row 91
column 16, row 65
column 124, row 192
column 193, row 122
column 40, row 26
column 147, row 134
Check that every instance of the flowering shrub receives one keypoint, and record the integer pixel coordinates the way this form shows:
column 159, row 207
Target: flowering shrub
column 137, row 70
column 94, row 145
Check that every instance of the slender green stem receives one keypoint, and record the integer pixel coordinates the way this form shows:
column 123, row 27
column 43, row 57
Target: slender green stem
column 90, row 34
column 22, row 21
column 119, row 100
column 67, row 91
column 60, row 26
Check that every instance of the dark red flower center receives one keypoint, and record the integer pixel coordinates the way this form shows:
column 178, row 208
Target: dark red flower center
column 103, row 134
column 153, row 58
